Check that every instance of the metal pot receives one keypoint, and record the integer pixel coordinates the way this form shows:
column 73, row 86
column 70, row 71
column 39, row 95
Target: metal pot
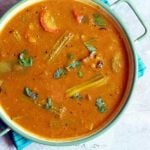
column 130, row 83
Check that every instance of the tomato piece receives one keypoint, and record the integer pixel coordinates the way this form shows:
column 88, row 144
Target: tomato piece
column 48, row 22
column 77, row 16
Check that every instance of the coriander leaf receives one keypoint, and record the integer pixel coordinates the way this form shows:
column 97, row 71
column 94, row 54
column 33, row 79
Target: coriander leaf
column 59, row 73
column 48, row 104
column 80, row 74
column 101, row 105
column 99, row 20
column 90, row 47
column 74, row 64
column 70, row 56
column 24, row 60
column 77, row 96
column 28, row 92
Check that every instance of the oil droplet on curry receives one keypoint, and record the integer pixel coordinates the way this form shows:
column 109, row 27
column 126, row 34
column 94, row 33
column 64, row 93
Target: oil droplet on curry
column 63, row 69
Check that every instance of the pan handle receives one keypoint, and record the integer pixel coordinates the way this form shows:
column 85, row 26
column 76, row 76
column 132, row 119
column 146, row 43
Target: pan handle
column 137, row 15
column 4, row 131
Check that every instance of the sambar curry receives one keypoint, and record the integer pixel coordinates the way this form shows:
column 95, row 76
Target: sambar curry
column 63, row 68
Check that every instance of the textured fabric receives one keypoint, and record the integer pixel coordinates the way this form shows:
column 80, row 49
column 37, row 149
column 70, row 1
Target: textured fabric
column 141, row 67
column 18, row 140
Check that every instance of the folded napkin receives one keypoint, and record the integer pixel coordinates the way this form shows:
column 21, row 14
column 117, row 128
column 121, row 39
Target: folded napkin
column 21, row 142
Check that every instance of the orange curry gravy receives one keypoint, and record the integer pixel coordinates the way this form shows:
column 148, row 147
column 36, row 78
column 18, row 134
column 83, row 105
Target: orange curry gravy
column 33, row 89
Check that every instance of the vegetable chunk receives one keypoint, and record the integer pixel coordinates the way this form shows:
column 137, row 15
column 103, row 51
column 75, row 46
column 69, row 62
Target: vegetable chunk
column 94, row 82
column 48, row 22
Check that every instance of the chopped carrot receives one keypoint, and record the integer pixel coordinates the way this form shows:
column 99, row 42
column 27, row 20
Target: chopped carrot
column 48, row 22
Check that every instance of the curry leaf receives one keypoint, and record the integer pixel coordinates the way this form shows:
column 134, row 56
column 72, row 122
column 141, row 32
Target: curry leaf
column 24, row 60
column 48, row 104
column 101, row 105
column 90, row 47
column 99, row 20
column 74, row 64
column 28, row 92
column 59, row 73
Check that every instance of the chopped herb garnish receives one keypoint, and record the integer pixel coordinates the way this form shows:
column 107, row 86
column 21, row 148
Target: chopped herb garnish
column 74, row 64
column 24, row 60
column 59, row 73
column 90, row 47
column 70, row 56
column 99, row 20
column 101, row 105
column 48, row 104
column 77, row 96
column 28, row 92
column 80, row 74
